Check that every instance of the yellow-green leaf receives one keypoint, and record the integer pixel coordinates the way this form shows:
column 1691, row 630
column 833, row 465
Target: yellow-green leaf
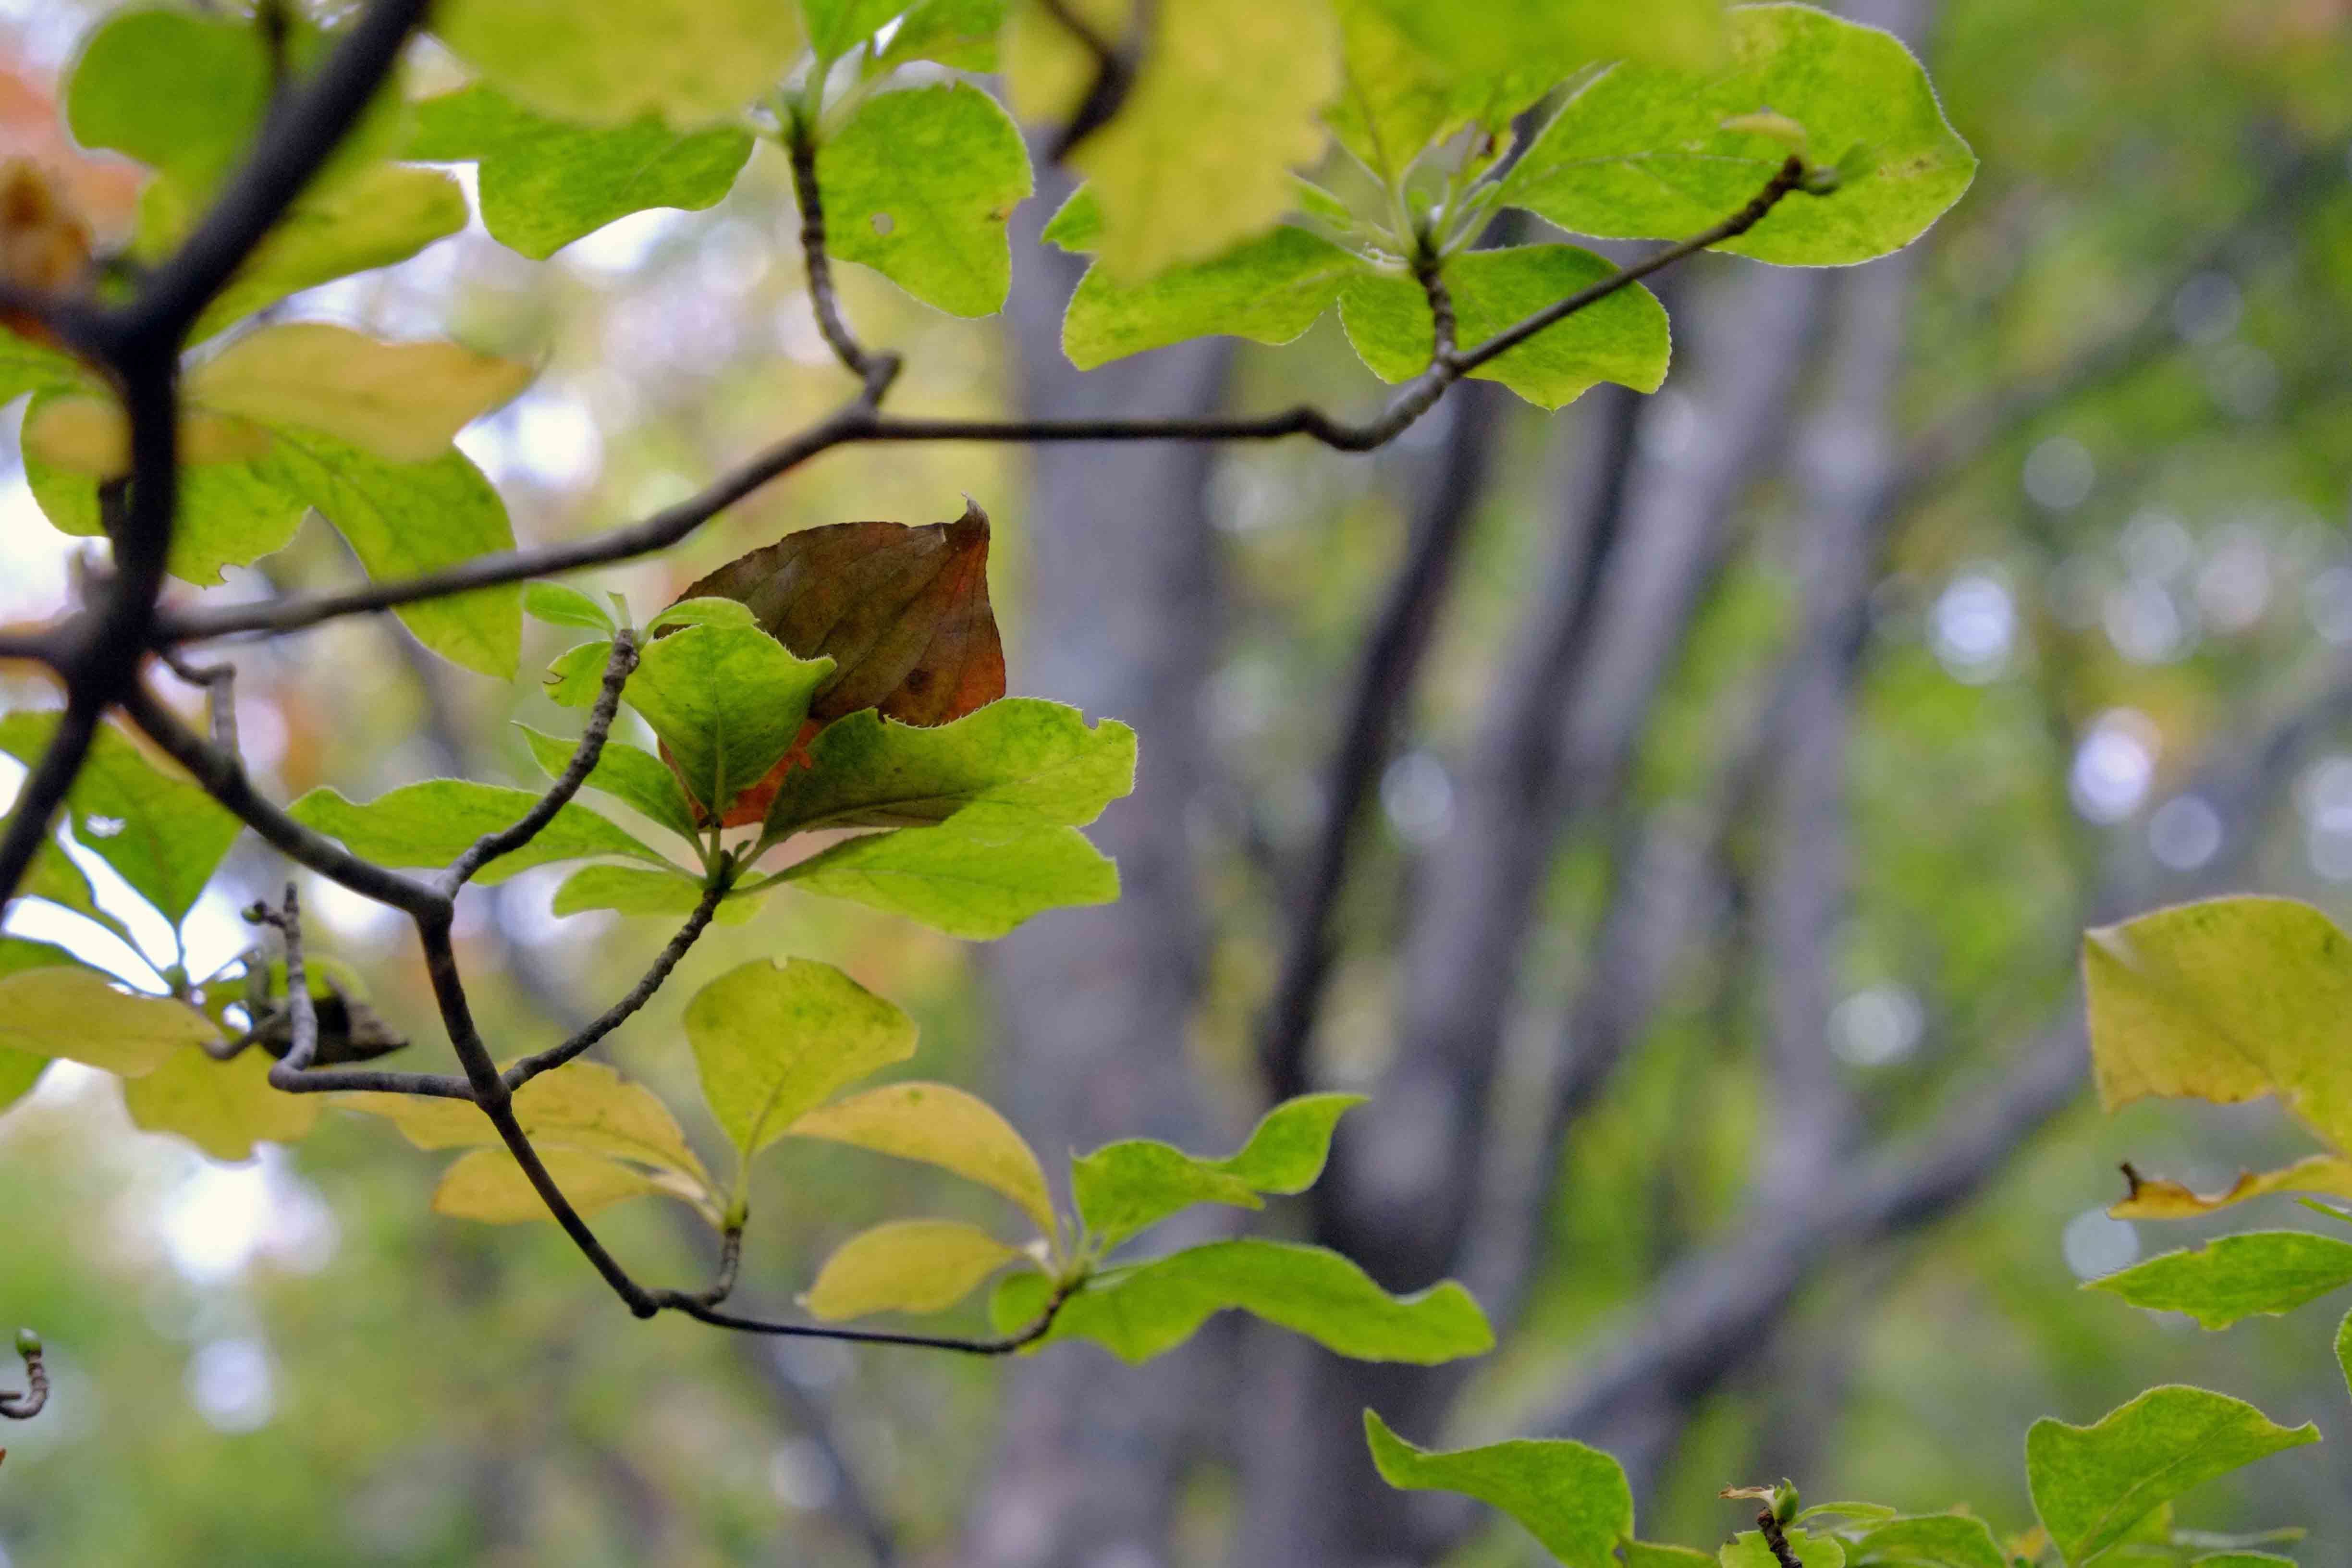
column 904, row 1266
column 941, row 1125
column 84, row 433
column 773, row 1041
column 77, row 1015
column 223, row 1108
column 488, row 1185
column 691, row 61
column 402, row 401
column 1200, row 152
column 582, row 1105
column 2227, row 1000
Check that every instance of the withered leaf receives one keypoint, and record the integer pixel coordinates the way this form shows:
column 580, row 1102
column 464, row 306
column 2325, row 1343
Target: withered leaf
column 901, row 609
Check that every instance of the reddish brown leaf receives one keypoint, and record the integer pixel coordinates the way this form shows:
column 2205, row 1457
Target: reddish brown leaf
column 902, row 611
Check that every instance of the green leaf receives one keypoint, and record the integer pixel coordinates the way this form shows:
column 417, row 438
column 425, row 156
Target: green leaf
column 1268, row 289
column 2226, row 1000
column 941, row 1125
column 2234, row 1277
column 838, row 26
column 977, row 874
column 19, row 1071
column 433, row 822
column 704, row 612
column 608, row 61
column 918, row 185
column 223, row 1108
column 375, row 217
column 28, row 366
column 959, row 33
column 904, row 1266
column 53, row 877
column 1200, row 154
column 1643, row 151
column 1572, row 1498
column 1286, row 1150
column 1020, row 755
column 576, row 676
column 230, row 514
column 559, row 604
column 185, row 94
column 403, row 520
column 628, row 774
column 672, row 893
column 74, row 1013
column 775, row 1041
column 159, row 830
column 1749, row 1550
column 1141, row 1310
column 1648, row 1554
column 1122, row 1188
column 404, row 401
column 2092, row 1484
column 546, row 183
column 1933, row 1540
column 727, row 702
column 1622, row 338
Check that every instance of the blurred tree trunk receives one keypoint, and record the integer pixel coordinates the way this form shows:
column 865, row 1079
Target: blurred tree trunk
column 1120, row 616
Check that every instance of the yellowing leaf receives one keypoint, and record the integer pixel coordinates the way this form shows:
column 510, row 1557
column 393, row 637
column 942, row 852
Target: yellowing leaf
column 904, row 1266
column 773, row 1041
column 75, row 1014
column 2227, row 1000
column 405, row 402
column 223, row 1108
column 941, row 1125
column 2155, row 1198
column 88, row 435
column 582, row 1105
column 1200, row 153
column 488, row 1185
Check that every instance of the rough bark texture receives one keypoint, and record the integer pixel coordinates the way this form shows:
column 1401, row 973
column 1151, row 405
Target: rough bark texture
column 1119, row 616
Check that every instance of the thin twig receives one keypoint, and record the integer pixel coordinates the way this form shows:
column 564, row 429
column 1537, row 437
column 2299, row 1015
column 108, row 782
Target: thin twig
column 618, row 667
column 219, row 683
column 223, row 778
column 1029, row 1336
column 1777, row 1539
column 800, row 141
column 1115, row 69
column 860, row 421
column 612, row 1017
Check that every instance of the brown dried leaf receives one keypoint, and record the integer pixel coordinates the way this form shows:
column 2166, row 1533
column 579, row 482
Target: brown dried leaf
column 902, row 611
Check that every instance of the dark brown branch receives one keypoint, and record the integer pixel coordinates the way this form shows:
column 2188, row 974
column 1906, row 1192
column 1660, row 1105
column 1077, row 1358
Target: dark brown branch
column 1777, row 1539
column 1005, row 1346
column 223, row 778
column 876, row 370
column 305, row 129
column 44, row 792
column 861, row 421
column 618, row 667
column 612, row 1017
column 1116, row 66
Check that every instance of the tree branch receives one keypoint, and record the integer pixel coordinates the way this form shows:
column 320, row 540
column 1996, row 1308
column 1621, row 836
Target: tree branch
column 860, row 421
column 877, row 371
column 618, row 667
column 612, row 1017
column 26, row 1405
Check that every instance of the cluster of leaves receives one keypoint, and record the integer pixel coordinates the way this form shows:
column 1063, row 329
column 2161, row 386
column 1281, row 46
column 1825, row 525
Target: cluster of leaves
column 2102, row 1493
